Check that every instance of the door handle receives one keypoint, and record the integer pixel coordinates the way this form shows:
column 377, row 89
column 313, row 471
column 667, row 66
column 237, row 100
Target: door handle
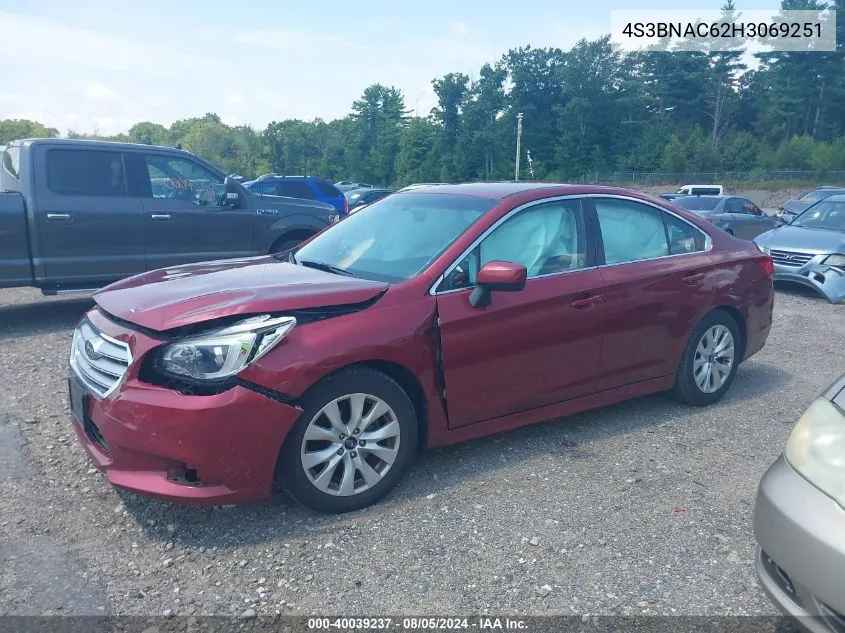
column 693, row 279
column 64, row 217
column 585, row 303
column 160, row 216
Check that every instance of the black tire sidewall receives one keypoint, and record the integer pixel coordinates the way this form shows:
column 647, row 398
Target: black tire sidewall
column 354, row 380
column 685, row 388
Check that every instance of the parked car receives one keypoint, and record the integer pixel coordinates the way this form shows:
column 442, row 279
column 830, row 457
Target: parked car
column 810, row 250
column 437, row 316
column 419, row 185
column 799, row 518
column 345, row 185
column 361, row 197
column 301, row 187
column 733, row 214
column 670, row 196
column 77, row 215
column 701, row 190
column 789, row 209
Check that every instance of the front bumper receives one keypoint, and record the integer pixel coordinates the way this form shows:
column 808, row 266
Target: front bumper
column 209, row 450
column 801, row 560
column 826, row 280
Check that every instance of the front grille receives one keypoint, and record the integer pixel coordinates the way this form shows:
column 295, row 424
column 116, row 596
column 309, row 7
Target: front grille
column 97, row 359
column 790, row 258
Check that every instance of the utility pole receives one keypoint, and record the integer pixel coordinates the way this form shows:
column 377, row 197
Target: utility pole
column 518, row 139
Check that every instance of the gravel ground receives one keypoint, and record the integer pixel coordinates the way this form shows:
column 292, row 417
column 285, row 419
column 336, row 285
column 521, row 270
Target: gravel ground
column 643, row 507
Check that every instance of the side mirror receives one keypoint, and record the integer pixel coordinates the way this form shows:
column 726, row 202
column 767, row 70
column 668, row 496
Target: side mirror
column 499, row 276
column 232, row 192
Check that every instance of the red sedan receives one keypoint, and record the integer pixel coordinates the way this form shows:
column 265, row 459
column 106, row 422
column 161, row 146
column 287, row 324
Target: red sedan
column 433, row 316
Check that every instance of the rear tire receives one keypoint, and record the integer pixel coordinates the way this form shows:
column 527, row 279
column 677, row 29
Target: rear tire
column 709, row 362
column 356, row 438
column 286, row 244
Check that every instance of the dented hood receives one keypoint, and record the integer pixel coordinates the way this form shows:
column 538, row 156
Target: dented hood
column 186, row 295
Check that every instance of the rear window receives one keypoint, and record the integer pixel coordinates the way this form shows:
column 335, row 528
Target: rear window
column 697, row 203
column 82, row 172
column 819, row 194
column 295, row 189
column 327, row 189
column 10, row 169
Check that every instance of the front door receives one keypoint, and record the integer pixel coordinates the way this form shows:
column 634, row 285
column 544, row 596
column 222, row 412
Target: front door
column 90, row 231
column 530, row 348
column 659, row 283
column 184, row 220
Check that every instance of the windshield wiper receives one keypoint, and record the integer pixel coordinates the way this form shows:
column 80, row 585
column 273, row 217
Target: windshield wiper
column 326, row 267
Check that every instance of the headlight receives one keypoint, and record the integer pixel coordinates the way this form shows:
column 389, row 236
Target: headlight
column 835, row 260
column 816, row 448
column 224, row 352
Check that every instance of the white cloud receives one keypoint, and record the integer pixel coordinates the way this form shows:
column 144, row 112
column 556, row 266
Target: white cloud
column 295, row 41
column 458, row 28
column 62, row 46
column 99, row 92
column 105, row 124
column 235, row 98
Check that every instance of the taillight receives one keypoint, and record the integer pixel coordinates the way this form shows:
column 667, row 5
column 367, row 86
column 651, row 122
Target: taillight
column 767, row 265
column 345, row 206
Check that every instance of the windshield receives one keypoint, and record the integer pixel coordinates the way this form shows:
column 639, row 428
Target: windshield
column 396, row 238
column 697, row 203
column 813, row 196
column 826, row 214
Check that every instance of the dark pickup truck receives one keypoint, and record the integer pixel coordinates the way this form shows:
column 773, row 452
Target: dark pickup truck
column 77, row 215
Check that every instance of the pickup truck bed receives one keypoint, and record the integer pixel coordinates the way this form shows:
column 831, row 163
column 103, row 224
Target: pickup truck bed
column 14, row 242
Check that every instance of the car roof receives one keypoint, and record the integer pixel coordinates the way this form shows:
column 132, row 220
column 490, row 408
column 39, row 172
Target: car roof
column 84, row 142
column 839, row 197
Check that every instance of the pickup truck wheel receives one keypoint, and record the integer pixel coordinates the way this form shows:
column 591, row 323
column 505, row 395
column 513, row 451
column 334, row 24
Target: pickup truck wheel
column 284, row 245
column 356, row 438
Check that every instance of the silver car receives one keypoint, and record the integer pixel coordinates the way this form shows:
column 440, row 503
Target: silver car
column 799, row 518
column 733, row 214
column 810, row 250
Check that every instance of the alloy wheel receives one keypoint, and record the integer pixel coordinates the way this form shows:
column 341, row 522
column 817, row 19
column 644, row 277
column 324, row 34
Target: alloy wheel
column 350, row 445
column 714, row 358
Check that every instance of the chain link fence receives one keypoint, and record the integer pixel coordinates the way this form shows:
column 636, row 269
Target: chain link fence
column 711, row 178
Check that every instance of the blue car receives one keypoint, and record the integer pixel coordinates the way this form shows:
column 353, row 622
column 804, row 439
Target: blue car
column 302, row 187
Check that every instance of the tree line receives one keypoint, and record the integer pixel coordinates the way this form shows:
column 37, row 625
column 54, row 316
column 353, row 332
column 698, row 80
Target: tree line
column 588, row 110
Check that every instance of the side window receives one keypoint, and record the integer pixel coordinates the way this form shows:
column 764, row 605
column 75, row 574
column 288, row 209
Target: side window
column 295, row 189
column 548, row 238
column 265, row 188
column 176, row 178
column 85, row 172
column 682, row 236
column 735, row 205
column 327, row 189
column 630, row 230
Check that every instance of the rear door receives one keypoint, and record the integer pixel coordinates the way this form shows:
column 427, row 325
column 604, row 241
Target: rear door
column 90, row 230
column 658, row 284
column 529, row 348
column 753, row 219
column 183, row 217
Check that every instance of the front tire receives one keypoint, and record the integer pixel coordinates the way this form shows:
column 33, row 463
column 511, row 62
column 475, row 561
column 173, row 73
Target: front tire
column 356, row 438
column 710, row 360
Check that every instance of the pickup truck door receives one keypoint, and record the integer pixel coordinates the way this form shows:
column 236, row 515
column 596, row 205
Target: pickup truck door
column 184, row 220
column 89, row 229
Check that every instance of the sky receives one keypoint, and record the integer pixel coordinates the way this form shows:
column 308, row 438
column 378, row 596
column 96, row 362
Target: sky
column 94, row 66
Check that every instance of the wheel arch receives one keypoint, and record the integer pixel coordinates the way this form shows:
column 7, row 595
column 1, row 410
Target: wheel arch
column 741, row 324
column 299, row 233
column 406, row 379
